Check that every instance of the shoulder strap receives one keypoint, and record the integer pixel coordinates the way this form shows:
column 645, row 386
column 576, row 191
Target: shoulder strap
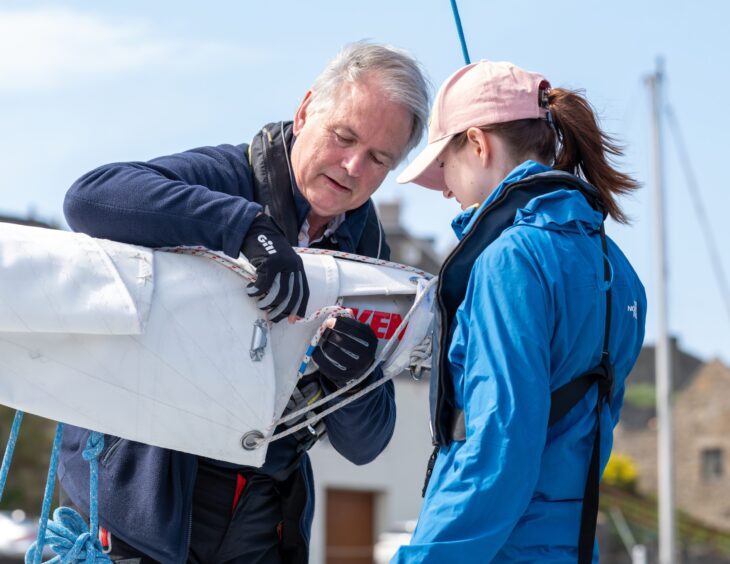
column 566, row 397
column 272, row 183
column 563, row 399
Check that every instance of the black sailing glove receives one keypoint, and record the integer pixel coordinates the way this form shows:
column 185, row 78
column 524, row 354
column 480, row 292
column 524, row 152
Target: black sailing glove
column 281, row 283
column 346, row 351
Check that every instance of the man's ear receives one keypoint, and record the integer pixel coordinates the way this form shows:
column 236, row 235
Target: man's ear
column 300, row 117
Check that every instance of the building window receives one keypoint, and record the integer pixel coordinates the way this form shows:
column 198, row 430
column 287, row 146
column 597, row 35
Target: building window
column 712, row 469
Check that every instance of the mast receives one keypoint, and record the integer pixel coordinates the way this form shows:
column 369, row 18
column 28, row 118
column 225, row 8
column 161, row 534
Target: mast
column 665, row 465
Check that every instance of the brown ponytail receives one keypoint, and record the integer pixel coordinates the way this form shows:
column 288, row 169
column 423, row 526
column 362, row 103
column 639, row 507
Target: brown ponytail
column 585, row 150
column 582, row 148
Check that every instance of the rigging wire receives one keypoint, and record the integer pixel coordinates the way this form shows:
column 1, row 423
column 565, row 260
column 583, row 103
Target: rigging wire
column 700, row 210
column 460, row 31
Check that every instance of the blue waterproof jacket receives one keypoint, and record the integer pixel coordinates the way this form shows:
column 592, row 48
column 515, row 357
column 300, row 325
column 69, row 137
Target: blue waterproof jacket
column 199, row 197
column 532, row 320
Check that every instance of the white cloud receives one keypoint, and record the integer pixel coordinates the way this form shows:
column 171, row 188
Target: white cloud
column 45, row 48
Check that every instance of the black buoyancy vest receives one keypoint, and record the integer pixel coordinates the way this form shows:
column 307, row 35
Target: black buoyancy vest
column 447, row 420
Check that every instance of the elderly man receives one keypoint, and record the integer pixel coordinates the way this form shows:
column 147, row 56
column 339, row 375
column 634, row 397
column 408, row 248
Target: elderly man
column 306, row 183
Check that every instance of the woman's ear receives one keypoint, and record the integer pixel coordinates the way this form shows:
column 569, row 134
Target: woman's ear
column 300, row 117
column 478, row 141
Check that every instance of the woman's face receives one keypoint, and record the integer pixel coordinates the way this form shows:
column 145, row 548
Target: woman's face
column 465, row 175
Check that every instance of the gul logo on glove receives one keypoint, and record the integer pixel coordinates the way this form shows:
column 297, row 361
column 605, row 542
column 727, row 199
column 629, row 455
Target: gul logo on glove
column 268, row 245
column 281, row 285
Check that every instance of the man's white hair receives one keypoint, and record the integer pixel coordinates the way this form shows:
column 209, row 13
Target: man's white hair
column 398, row 74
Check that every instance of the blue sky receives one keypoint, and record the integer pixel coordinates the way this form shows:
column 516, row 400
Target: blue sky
column 85, row 83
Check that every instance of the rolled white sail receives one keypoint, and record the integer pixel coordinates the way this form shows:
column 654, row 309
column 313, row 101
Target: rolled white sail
column 165, row 348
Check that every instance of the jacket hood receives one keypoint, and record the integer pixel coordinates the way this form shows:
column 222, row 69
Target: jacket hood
column 561, row 210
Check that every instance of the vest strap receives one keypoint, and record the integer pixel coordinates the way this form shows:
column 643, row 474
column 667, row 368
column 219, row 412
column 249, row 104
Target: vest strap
column 272, row 182
column 567, row 396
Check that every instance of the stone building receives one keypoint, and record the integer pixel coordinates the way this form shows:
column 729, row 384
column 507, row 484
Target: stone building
column 404, row 247
column 701, row 438
column 639, row 407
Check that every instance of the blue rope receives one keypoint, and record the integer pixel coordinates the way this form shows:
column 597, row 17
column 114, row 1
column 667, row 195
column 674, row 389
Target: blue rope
column 9, row 450
column 32, row 556
column 94, row 446
column 70, row 538
column 67, row 533
column 305, row 360
column 460, row 30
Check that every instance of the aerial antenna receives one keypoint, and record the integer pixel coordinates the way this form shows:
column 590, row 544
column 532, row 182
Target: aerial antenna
column 460, row 31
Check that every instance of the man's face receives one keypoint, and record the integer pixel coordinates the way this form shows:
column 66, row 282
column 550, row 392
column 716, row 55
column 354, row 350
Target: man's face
column 343, row 153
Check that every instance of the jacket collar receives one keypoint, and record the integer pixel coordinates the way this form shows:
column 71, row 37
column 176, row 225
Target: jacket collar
column 561, row 210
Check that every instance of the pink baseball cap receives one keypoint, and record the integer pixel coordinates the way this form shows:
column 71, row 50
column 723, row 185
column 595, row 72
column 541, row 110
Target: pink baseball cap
column 479, row 94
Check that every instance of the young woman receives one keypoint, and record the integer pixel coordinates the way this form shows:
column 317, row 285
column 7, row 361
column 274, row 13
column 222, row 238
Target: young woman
column 541, row 318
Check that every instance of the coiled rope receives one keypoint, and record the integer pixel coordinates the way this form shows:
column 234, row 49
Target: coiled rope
column 67, row 533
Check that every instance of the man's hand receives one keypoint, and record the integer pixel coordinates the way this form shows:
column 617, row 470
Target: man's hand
column 281, row 284
column 345, row 351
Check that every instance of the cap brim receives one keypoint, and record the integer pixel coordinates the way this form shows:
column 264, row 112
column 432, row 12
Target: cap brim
column 425, row 170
